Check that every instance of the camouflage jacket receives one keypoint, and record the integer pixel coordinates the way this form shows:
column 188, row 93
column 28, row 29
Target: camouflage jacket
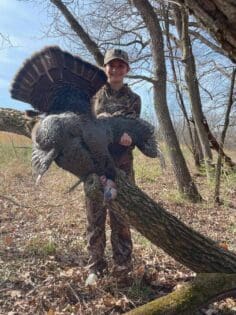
column 122, row 102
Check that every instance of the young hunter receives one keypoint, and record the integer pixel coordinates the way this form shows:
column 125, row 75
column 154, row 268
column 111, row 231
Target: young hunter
column 115, row 98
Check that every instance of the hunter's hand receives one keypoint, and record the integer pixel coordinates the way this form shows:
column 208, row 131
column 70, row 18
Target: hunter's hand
column 125, row 140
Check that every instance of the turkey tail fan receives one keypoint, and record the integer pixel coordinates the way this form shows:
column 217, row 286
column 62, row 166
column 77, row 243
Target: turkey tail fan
column 53, row 80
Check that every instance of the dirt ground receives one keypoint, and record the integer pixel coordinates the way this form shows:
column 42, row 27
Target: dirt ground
column 43, row 253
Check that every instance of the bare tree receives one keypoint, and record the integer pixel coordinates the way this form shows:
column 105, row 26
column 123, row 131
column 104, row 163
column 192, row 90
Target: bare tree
column 185, row 182
column 218, row 16
column 181, row 17
column 179, row 94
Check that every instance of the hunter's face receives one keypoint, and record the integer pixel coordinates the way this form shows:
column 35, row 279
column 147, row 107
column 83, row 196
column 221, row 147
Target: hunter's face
column 116, row 70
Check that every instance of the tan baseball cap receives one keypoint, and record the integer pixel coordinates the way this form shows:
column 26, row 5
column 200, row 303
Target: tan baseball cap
column 112, row 54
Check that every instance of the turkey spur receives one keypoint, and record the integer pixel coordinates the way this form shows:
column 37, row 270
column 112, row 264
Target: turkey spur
column 60, row 87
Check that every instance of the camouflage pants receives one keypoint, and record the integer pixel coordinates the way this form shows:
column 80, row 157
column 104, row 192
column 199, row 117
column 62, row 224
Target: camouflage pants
column 120, row 232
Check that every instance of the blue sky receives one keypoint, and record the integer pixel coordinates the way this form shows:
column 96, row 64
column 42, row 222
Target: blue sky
column 22, row 22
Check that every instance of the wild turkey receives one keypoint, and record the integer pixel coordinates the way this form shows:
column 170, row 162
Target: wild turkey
column 60, row 86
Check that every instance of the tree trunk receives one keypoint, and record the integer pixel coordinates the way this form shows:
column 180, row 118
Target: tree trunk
column 179, row 94
column 198, row 155
column 16, row 122
column 218, row 17
column 222, row 140
column 190, row 297
column 187, row 246
column 192, row 83
column 184, row 180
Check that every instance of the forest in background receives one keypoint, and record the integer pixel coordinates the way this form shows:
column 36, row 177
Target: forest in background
column 190, row 72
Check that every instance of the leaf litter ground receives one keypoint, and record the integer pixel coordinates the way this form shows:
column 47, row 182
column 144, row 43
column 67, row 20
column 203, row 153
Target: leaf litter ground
column 43, row 244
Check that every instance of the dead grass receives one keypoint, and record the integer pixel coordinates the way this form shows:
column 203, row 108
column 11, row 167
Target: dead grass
column 43, row 240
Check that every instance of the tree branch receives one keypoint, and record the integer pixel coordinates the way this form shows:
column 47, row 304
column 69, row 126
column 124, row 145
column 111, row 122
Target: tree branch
column 78, row 29
column 208, row 43
column 142, row 77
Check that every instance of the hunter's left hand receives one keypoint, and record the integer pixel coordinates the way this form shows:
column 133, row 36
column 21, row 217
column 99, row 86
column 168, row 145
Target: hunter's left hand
column 125, row 140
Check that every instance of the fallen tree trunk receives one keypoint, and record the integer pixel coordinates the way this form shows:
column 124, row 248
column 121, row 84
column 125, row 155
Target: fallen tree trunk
column 15, row 121
column 187, row 246
column 190, row 297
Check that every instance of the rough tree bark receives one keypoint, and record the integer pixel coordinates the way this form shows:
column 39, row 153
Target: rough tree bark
column 181, row 18
column 184, row 180
column 187, row 246
column 218, row 17
column 15, row 121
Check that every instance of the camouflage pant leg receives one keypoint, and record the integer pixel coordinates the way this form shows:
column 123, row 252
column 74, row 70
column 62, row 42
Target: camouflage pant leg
column 96, row 237
column 120, row 239
column 120, row 231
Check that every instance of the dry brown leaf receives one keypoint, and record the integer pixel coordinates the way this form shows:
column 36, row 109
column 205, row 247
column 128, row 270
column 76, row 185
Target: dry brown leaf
column 223, row 245
column 140, row 271
column 67, row 273
column 109, row 301
column 123, row 302
column 8, row 240
column 15, row 293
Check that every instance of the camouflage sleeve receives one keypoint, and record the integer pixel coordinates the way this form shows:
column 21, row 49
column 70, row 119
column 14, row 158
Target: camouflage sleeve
column 137, row 105
column 97, row 105
column 98, row 108
column 134, row 109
